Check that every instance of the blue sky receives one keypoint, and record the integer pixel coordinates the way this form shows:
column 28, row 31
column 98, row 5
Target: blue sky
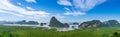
column 63, row 10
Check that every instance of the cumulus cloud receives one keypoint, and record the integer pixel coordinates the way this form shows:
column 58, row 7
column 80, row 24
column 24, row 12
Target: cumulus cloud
column 79, row 7
column 31, row 1
column 6, row 6
column 64, row 2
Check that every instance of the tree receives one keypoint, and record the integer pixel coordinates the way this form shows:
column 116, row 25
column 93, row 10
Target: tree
column 1, row 34
column 115, row 34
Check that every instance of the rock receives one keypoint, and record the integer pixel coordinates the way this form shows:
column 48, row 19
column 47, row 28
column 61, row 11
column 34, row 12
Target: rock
column 55, row 23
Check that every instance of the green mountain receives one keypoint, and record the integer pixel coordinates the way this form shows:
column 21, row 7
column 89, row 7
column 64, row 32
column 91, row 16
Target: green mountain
column 88, row 24
column 55, row 23
column 98, row 23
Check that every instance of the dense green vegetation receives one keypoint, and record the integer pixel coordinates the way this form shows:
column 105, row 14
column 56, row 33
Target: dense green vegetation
column 11, row 31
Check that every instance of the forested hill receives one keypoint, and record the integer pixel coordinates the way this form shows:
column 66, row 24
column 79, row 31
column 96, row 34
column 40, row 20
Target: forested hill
column 98, row 23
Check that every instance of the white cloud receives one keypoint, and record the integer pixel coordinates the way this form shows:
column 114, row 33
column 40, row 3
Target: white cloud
column 75, row 13
column 64, row 2
column 78, row 7
column 59, row 16
column 19, row 3
column 1, row 19
column 87, row 4
column 9, row 12
column 6, row 6
column 33, row 1
column 29, row 8
column 66, row 8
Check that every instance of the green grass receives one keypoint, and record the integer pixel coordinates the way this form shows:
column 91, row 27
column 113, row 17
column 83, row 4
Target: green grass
column 12, row 31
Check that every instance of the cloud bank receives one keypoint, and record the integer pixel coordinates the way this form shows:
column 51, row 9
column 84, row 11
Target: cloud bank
column 7, row 7
column 79, row 7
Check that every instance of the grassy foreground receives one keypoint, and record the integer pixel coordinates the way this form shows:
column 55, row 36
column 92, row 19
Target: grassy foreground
column 12, row 31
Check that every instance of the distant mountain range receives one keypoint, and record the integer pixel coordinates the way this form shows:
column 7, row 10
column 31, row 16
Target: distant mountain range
column 56, row 23
column 20, row 22
column 98, row 23
column 88, row 24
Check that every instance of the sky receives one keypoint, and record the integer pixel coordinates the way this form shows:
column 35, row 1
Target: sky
column 63, row 10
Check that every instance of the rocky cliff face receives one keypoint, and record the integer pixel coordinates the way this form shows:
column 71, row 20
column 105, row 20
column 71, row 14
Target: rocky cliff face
column 55, row 23
column 88, row 24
